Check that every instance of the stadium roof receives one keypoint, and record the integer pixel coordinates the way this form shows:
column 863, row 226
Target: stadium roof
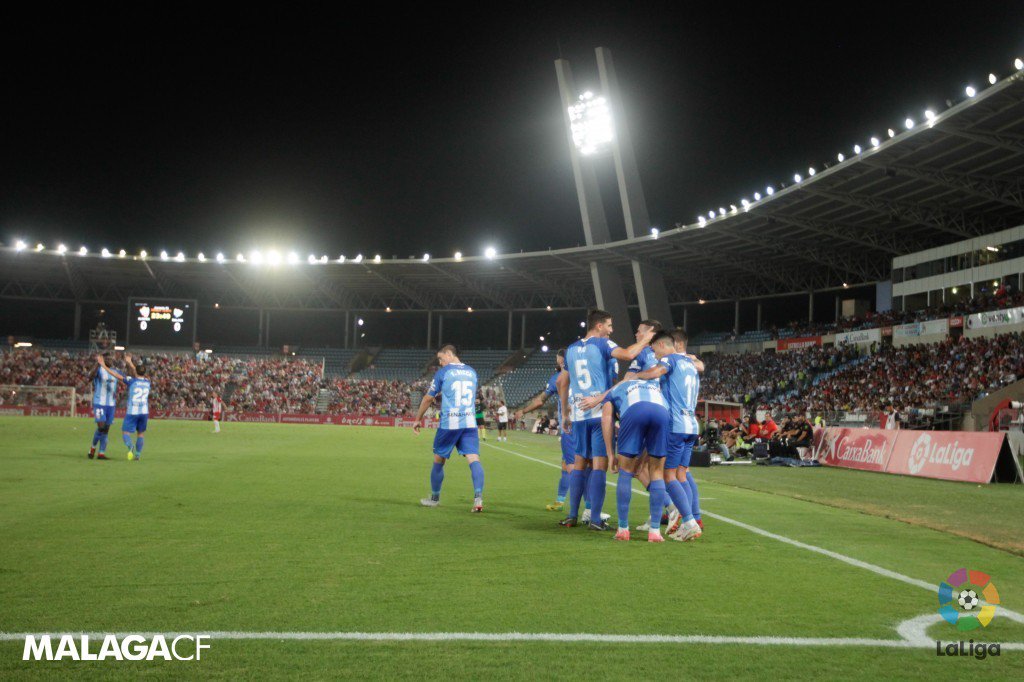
column 957, row 175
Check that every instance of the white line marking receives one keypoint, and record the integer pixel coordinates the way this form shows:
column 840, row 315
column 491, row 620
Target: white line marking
column 517, row 637
column 878, row 570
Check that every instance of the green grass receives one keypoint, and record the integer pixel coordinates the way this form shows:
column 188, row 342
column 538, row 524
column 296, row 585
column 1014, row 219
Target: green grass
column 317, row 528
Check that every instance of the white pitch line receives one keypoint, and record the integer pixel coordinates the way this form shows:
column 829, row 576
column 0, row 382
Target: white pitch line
column 878, row 570
column 509, row 637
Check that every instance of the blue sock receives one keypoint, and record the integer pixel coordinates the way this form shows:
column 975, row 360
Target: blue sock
column 597, row 493
column 436, row 479
column 476, row 470
column 694, row 496
column 103, row 442
column 96, row 435
column 127, row 440
column 575, row 492
column 623, row 493
column 657, row 490
column 563, row 486
column 139, row 442
column 586, row 488
column 680, row 497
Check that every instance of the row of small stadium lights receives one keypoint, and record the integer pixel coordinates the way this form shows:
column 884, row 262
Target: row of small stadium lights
column 271, row 257
column 275, row 258
column 909, row 124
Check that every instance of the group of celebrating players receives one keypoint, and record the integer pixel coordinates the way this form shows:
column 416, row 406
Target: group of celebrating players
column 655, row 406
column 105, row 381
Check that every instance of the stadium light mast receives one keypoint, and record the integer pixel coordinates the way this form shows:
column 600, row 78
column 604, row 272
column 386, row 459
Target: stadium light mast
column 595, row 123
column 650, row 285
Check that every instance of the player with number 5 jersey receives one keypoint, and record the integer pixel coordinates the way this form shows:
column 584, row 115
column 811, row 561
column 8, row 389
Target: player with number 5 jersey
column 591, row 369
column 455, row 384
column 137, row 404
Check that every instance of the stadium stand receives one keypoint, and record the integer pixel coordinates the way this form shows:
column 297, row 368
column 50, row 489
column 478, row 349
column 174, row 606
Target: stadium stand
column 396, row 365
column 528, row 379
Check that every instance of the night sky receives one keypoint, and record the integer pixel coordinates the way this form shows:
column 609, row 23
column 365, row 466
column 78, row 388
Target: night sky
column 405, row 132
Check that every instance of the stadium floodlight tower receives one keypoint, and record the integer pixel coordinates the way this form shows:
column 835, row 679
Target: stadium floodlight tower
column 596, row 124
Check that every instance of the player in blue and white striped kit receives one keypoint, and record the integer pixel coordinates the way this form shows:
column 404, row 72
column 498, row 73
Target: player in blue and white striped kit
column 680, row 382
column 643, row 427
column 136, row 417
column 591, row 369
column 456, row 385
column 104, row 402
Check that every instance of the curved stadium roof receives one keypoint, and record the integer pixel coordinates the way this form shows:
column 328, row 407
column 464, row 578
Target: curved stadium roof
column 958, row 176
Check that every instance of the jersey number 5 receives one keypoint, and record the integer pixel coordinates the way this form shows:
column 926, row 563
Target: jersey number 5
column 582, row 374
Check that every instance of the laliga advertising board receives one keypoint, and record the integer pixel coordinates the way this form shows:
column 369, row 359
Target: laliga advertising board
column 161, row 322
column 949, row 455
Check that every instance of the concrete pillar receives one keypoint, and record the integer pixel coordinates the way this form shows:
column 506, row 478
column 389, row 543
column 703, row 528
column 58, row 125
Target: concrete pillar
column 344, row 343
column 266, row 330
column 759, row 311
column 78, row 321
column 810, row 306
column 686, row 319
column 736, row 319
column 839, row 307
column 440, row 330
column 522, row 331
column 430, row 327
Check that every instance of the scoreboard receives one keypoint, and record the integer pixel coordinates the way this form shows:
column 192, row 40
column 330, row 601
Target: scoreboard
column 161, row 322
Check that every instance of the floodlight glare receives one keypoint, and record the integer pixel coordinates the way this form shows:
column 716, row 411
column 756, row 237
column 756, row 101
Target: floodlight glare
column 1018, row 63
column 992, row 79
column 82, row 251
column 311, row 259
column 796, row 177
column 256, row 258
column 360, row 322
column 841, row 157
column 811, row 171
column 376, row 258
column 163, row 255
column 122, row 253
column 358, row 258
column 180, row 257
column 273, row 257
column 220, row 257
column 293, row 258
column 240, row 258
column 323, row 258
column 544, row 349
column 61, row 248
column 875, row 142
column 201, row 257
column 590, row 122
column 39, row 247
column 490, row 252
column 909, row 123
column 757, row 196
column 19, row 245
column 458, row 255
column 929, row 114
column 892, row 133
column 105, row 252
column 711, row 215
column 655, row 232
column 701, row 221
column 426, row 257
column 143, row 255
column 769, row 190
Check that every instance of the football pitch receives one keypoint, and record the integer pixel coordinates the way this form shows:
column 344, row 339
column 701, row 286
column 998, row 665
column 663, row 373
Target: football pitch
column 304, row 550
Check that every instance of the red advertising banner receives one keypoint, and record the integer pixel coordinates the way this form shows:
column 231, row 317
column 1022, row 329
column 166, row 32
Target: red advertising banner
column 866, row 449
column 956, row 321
column 949, row 455
column 802, row 342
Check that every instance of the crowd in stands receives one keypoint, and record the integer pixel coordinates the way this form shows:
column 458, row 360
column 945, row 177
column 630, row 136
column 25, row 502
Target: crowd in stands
column 179, row 381
column 751, row 378
column 368, row 396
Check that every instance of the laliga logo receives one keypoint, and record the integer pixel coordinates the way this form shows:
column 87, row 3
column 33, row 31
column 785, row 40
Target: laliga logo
column 144, row 311
column 958, row 599
column 919, row 453
column 177, row 312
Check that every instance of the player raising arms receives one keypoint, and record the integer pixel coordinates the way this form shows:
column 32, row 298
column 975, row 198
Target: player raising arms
column 591, row 369
column 457, row 385
column 680, row 383
column 137, row 417
column 104, row 402
column 564, row 439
